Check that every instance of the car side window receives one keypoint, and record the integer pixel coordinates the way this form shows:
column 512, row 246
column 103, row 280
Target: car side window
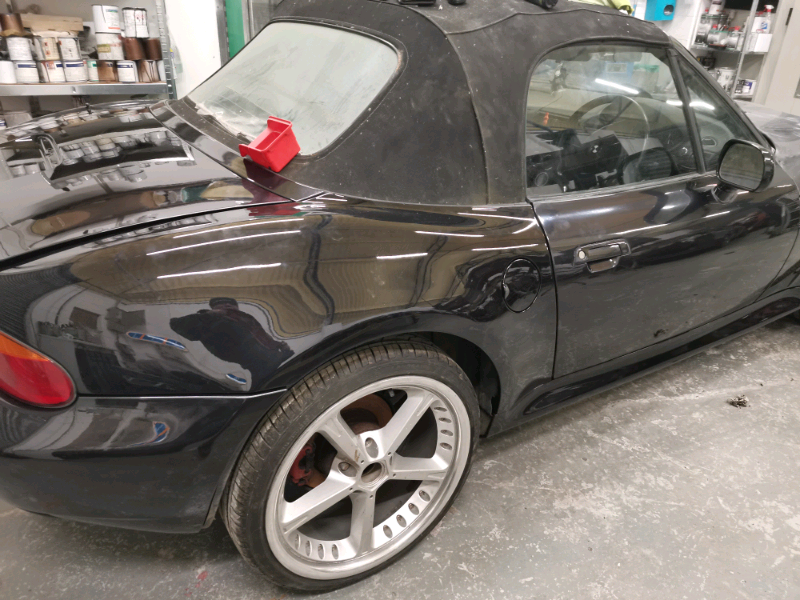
column 716, row 120
column 604, row 115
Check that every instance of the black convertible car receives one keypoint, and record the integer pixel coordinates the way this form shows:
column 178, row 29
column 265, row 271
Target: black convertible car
column 496, row 210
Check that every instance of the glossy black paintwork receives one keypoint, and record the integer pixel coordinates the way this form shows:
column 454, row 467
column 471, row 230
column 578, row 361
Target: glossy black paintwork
column 141, row 463
column 117, row 169
column 689, row 262
column 328, row 273
column 183, row 304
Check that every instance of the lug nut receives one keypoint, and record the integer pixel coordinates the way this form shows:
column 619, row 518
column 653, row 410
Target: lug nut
column 347, row 468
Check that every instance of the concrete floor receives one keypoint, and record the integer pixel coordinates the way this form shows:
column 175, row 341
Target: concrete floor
column 658, row 489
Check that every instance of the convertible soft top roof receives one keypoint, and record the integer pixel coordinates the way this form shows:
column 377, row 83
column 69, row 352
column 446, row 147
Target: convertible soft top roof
column 450, row 128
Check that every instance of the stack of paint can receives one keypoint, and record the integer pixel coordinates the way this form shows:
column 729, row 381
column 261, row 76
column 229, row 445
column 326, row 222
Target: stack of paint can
column 108, row 31
column 134, row 22
column 21, row 66
column 142, row 58
column 132, row 56
column 51, row 67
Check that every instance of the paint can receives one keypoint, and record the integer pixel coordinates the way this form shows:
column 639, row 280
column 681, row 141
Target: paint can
column 26, row 71
column 129, row 21
column 109, row 46
column 141, row 23
column 126, row 70
column 75, row 71
column 12, row 24
column 107, row 70
column 106, row 18
column 48, row 48
column 7, row 72
column 91, row 68
column 152, row 49
column 2, row 122
column 70, row 48
column 148, row 71
column 132, row 47
column 37, row 49
column 53, row 71
column 19, row 48
column 725, row 77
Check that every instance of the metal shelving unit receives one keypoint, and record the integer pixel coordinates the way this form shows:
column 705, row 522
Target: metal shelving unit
column 166, row 88
column 748, row 25
column 83, row 89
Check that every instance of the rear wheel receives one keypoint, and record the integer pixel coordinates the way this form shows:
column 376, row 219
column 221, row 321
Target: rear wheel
column 354, row 467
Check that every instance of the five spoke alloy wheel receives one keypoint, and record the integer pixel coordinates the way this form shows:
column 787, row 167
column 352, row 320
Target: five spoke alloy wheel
column 354, row 465
column 384, row 486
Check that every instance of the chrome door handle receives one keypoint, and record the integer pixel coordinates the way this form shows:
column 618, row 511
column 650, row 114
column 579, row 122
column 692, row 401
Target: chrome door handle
column 601, row 256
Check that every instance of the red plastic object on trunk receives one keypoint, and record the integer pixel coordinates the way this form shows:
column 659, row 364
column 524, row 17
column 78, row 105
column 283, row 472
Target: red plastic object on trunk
column 275, row 147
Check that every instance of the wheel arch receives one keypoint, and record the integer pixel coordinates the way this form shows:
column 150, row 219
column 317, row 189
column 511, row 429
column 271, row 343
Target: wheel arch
column 448, row 333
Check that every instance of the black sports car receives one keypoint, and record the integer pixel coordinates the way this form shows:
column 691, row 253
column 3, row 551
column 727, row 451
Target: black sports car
column 496, row 210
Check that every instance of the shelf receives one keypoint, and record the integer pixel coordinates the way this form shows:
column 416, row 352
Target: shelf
column 726, row 50
column 82, row 89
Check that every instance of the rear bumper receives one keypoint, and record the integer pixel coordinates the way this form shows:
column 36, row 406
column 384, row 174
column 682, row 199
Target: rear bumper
column 156, row 463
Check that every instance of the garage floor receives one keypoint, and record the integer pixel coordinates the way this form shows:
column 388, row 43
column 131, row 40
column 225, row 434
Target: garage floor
column 658, row 489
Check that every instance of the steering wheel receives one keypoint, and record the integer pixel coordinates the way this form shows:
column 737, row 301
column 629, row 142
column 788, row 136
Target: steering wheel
column 575, row 119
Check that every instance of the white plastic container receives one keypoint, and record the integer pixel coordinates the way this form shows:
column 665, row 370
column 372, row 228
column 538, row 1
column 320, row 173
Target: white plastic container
column 76, row 71
column 127, row 71
column 69, row 47
column 106, row 18
column 19, row 48
column 7, row 74
column 109, row 46
column 26, row 71
column 759, row 42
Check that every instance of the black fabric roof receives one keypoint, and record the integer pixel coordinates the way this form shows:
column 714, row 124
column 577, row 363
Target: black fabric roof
column 450, row 130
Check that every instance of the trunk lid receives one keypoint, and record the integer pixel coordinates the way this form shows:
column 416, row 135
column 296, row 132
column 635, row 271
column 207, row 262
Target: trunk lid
column 84, row 174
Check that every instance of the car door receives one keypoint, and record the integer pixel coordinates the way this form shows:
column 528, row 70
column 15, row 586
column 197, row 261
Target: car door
column 641, row 249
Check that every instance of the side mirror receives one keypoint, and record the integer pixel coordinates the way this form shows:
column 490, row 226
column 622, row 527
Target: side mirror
column 743, row 166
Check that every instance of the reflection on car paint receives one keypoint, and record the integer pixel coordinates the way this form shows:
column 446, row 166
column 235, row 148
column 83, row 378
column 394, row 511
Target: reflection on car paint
column 240, row 380
column 160, row 433
column 155, row 339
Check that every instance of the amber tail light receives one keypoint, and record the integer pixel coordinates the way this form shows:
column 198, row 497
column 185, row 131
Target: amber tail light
column 29, row 377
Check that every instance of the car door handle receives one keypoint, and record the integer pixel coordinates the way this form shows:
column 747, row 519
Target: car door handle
column 602, row 256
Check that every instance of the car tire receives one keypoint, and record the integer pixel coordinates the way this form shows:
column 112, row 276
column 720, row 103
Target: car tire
column 430, row 434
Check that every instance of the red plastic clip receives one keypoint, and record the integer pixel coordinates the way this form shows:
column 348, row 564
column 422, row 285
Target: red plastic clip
column 275, row 147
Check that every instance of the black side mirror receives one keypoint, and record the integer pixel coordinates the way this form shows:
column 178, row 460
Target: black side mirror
column 743, row 166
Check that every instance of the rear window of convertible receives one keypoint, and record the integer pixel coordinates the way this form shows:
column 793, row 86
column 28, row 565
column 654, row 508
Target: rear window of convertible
column 321, row 78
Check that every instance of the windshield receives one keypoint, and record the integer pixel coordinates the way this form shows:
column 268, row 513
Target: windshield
column 320, row 78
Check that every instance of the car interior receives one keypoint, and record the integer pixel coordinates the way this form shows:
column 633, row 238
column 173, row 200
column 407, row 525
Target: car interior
column 602, row 116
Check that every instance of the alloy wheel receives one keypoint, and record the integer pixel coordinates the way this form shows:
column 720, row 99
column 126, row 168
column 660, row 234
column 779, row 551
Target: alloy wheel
column 376, row 483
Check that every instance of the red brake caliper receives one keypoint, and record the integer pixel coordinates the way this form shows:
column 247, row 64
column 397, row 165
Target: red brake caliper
column 300, row 472
column 365, row 414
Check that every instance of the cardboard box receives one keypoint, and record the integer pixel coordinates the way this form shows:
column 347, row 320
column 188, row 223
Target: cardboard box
column 759, row 42
column 43, row 23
